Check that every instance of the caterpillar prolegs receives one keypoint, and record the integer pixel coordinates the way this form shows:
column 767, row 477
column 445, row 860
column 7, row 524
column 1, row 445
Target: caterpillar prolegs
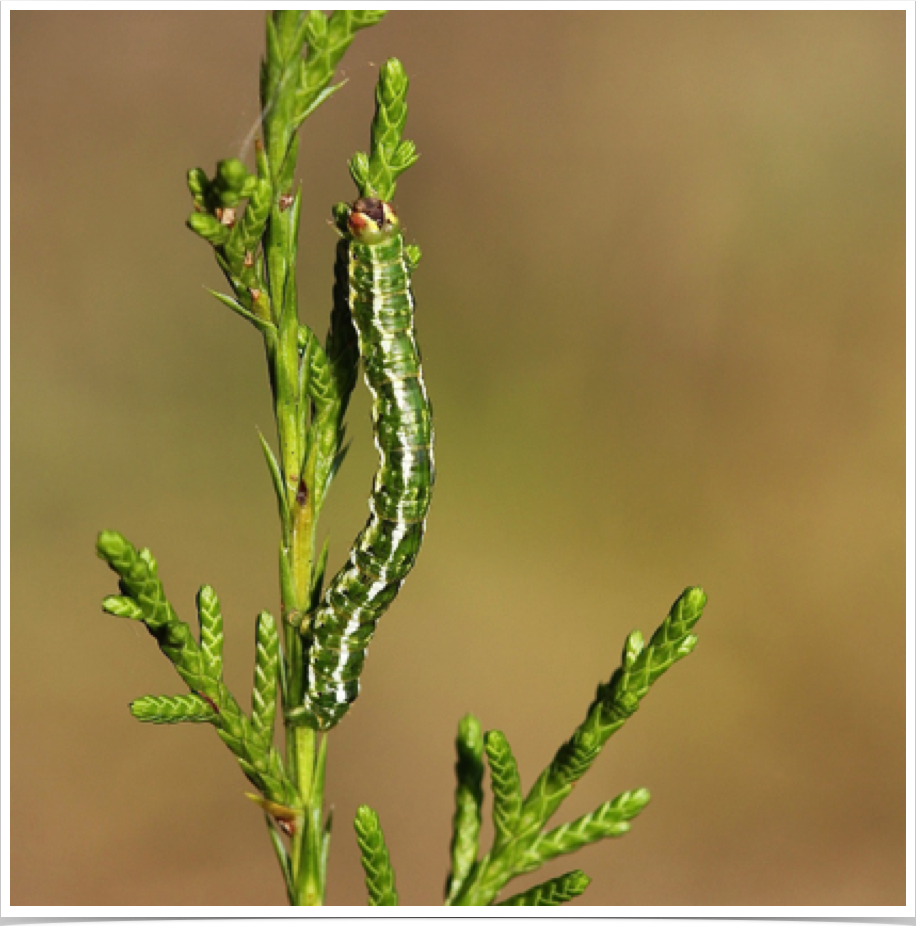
column 378, row 268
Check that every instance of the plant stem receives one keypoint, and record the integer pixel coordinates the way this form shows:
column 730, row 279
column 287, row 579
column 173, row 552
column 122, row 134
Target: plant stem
column 302, row 752
column 291, row 408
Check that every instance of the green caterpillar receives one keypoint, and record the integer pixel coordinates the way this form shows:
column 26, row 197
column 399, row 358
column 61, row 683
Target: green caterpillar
column 378, row 268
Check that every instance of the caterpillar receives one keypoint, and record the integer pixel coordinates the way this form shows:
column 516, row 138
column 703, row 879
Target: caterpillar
column 378, row 269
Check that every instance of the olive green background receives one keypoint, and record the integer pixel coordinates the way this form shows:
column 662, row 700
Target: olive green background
column 662, row 315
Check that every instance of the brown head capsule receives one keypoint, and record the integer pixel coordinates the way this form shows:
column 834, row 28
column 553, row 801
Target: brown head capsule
column 372, row 220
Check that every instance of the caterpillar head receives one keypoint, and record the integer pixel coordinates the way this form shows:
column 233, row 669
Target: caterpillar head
column 372, row 221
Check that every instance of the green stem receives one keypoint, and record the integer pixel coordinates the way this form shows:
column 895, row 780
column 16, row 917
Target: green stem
column 305, row 755
column 490, row 876
column 291, row 86
column 291, row 404
column 301, row 751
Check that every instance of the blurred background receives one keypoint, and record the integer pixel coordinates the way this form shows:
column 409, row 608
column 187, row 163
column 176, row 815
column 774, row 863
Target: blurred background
column 662, row 313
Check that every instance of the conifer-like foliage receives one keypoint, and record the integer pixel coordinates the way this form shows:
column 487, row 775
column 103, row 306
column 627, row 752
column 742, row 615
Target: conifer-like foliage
column 311, row 659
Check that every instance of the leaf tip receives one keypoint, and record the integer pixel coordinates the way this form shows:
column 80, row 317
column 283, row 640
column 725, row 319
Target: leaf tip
column 694, row 598
column 470, row 733
column 639, row 799
column 110, row 544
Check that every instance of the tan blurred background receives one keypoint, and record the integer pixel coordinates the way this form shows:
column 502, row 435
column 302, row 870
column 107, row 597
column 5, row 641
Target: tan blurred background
column 661, row 308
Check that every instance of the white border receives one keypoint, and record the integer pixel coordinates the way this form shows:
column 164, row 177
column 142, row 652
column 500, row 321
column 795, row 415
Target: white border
column 637, row 914
column 717, row 5
column 5, row 514
column 910, row 455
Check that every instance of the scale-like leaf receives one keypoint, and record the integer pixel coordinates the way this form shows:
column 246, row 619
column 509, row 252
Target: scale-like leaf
column 506, row 785
column 189, row 708
column 376, row 174
column 140, row 583
column 211, row 632
column 609, row 820
column 375, row 859
column 266, row 675
column 551, row 893
column 468, row 802
column 615, row 702
column 122, row 606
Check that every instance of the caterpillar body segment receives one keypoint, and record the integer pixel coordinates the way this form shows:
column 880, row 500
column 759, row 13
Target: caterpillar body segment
column 377, row 271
